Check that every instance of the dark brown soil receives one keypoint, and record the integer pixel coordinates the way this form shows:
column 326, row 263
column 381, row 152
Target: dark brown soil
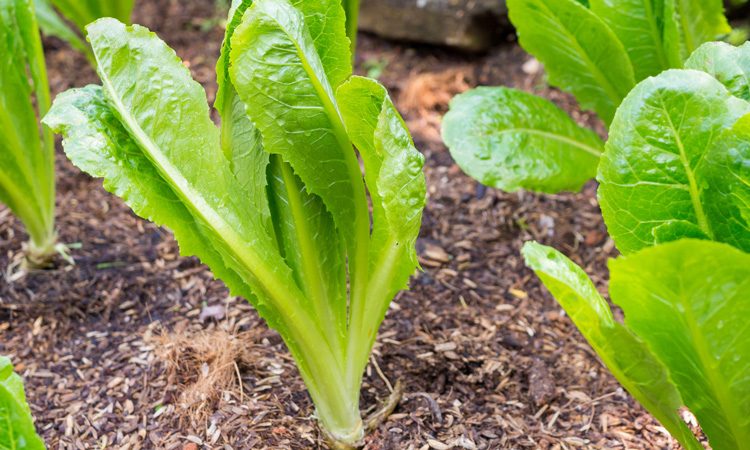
column 488, row 359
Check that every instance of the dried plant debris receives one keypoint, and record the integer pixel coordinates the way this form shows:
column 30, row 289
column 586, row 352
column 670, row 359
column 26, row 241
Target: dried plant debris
column 204, row 365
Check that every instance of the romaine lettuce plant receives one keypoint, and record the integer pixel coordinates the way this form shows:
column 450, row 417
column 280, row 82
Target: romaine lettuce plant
column 675, row 194
column 685, row 341
column 676, row 162
column 27, row 153
column 52, row 16
column 596, row 50
column 17, row 430
column 275, row 201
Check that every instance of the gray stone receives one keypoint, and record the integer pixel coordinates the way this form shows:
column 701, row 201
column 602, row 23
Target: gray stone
column 468, row 24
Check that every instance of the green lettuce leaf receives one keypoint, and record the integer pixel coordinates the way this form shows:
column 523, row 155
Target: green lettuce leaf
column 275, row 203
column 306, row 235
column 639, row 25
column 17, row 430
column 513, row 140
column 581, row 54
column 325, row 21
column 272, row 36
column 52, row 14
column 727, row 173
column 727, row 63
column 394, row 178
column 83, row 12
column 685, row 340
column 625, row 355
column 26, row 155
column 689, row 301
column 140, row 151
column 240, row 139
column 52, row 24
column 694, row 22
column 659, row 169
column 301, row 97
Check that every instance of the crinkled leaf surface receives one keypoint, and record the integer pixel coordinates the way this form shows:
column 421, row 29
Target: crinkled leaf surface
column 17, row 430
column 265, row 224
column 396, row 184
column 240, row 139
column 639, row 25
column 393, row 166
column 656, row 174
column 304, row 229
column 278, row 73
column 325, row 21
column 513, row 140
column 162, row 114
column 96, row 142
column 726, row 170
column 286, row 85
column 690, row 301
column 165, row 133
column 581, row 54
column 727, row 63
column 629, row 359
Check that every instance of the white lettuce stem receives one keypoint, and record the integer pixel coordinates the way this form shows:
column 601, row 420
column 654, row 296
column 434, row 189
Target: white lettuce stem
column 40, row 250
column 336, row 405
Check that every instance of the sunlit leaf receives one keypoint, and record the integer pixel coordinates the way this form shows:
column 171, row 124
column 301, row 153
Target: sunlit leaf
column 629, row 359
column 656, row 176
column 581, row 54
column 690, row 301
column 513, row 140
column 17, row 426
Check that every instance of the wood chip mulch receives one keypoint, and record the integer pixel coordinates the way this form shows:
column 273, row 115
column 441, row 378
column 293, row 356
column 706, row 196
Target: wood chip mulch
column 488, row 359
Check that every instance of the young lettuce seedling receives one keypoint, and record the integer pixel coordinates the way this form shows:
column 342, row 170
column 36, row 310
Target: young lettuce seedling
column 674, row 169
column 53, row 14
column 17, row 430
column 27, row 153
column 596, row 50
column 274, row 202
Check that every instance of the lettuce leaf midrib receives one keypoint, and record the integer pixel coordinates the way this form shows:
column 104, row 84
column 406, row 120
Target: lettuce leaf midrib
column 188, row 195
column 332, row 112
column 604, row 82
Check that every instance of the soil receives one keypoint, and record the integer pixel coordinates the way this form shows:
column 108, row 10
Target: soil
column 110, row 348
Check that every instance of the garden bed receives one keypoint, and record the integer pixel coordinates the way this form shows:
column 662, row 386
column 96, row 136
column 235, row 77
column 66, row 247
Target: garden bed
column 111, row 348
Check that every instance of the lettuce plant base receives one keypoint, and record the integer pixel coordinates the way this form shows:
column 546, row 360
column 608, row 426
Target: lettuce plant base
column 483, row 352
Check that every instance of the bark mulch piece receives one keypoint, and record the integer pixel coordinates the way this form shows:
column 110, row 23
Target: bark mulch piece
column 487, row 358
